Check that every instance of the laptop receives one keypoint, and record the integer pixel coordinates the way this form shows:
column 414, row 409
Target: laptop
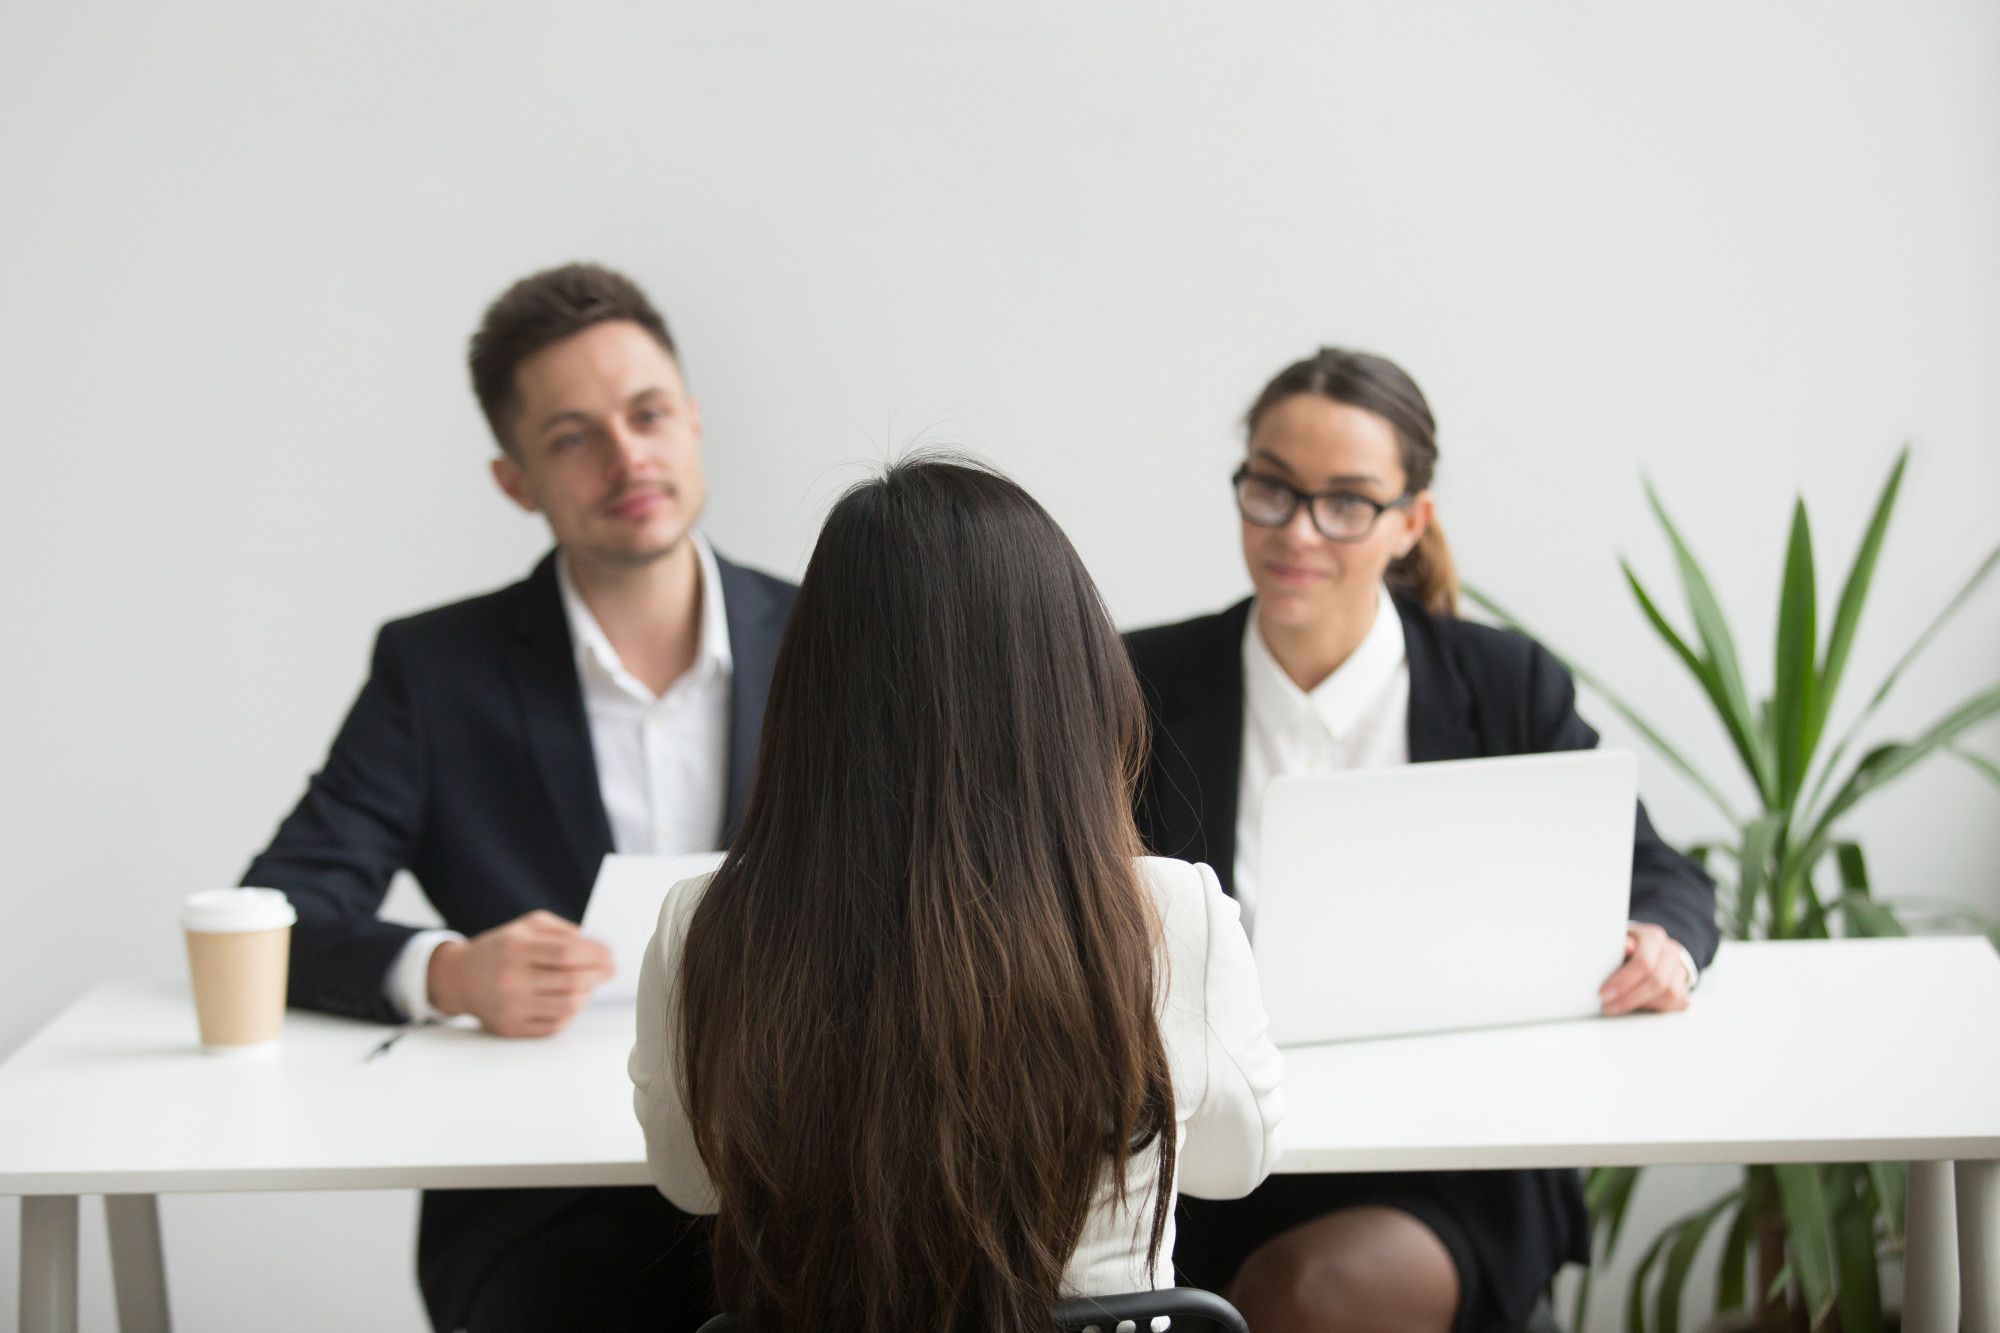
column 1433, row 897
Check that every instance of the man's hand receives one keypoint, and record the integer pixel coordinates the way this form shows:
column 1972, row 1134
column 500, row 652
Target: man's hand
column 527, row 978
column 1653, row 978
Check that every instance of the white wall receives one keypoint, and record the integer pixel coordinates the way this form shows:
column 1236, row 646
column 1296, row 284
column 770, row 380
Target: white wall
column 1747, row 247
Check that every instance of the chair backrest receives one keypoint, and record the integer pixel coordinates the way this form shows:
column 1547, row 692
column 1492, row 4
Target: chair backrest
column 1191, row 1309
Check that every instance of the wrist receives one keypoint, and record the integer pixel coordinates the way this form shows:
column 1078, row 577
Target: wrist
column 1693, row 969
column 442, row 980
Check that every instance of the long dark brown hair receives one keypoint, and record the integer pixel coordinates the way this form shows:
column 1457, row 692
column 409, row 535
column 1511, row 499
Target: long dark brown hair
column 918, row 998
column 1377, row 384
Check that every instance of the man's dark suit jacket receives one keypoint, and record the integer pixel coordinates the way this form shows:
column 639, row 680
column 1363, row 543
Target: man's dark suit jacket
column 467, row 761
column 1474, row 691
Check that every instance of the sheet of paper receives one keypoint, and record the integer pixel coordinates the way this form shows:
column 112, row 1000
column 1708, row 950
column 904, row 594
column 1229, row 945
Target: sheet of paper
column 624, row 908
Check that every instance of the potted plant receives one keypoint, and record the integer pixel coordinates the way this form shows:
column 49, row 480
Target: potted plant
column 1785, row 870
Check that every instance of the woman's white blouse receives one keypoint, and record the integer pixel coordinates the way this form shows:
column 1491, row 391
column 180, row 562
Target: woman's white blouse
column 1358, row 717
column 1228, row 1101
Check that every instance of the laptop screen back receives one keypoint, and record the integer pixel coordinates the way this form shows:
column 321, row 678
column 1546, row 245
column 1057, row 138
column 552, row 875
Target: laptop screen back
column 1430, row 897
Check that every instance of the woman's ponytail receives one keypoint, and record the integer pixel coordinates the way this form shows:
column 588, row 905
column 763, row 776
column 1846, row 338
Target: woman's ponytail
column 1428, row 573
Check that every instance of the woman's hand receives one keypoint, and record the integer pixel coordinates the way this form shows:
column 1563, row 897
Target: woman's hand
column 1654, row 978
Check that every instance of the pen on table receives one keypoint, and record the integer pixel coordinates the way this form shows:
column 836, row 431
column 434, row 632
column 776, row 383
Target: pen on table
column 394, row 1037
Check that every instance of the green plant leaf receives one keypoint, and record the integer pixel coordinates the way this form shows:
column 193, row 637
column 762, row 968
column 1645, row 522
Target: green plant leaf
column 1958, row 599
column 1688, row 1235
column 1596, row 685
column 1891, row 1184
column 1731, row 1275
column 1784, row 895
column 1760, row 840
column 1962, row 919
column 1818, row 927
column 1859, row 1295
column 1635, row 1296
column 1740, row 735
column 1731, row 699
column 1853, row 595
column 1579, row 1310
column 1978, row 762
column 1795, row 689
column 1930, row 915
column 1888, row 762
column 1607, row 1194
column 1841, row 1183
column 1673, row 638
column 1868, row 917
column 1808, row 1236
column 1853, row 867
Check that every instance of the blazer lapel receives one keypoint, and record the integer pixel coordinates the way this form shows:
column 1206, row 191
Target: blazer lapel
column 756, row 624
column 1443, row 722
column 543, row 667
column 1202, row 721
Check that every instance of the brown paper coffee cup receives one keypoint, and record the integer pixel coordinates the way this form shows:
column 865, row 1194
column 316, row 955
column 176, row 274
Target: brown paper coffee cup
column 239, row 946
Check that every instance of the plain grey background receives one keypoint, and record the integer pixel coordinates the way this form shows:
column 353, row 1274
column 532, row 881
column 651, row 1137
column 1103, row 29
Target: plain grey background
column 1748, row 248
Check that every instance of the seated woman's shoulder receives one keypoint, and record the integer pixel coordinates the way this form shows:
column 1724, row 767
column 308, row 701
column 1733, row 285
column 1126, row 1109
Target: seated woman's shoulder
column 1180, row 892
column 1492, row 646
column 1159, row 650
column 1166, row 874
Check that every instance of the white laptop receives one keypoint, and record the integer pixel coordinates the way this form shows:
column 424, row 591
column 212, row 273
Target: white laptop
column 1431, row 897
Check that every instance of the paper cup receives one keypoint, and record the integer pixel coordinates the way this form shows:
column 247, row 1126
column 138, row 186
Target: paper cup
column 239, row 945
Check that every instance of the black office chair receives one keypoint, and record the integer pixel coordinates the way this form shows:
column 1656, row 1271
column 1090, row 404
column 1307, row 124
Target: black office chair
column 1192, row 1310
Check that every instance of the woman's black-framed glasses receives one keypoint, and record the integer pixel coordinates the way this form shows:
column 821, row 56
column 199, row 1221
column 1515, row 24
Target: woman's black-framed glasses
column 1340, row 516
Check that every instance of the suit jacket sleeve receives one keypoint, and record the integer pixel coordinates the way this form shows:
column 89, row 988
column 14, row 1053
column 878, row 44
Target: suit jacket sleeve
column 357, row 825
column 1668, row 889
column 1233, row 1132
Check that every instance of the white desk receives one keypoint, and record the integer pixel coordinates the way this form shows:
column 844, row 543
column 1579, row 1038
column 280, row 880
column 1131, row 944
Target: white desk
column 1856, row 1050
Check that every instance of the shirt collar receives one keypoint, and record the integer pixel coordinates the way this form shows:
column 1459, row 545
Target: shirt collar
column 593, row 647
column 1340, row 701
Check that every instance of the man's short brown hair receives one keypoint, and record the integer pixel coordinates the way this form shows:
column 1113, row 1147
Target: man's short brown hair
column 543, row 309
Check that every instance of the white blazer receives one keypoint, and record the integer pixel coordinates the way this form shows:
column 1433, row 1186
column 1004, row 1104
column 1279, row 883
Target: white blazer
column 1227, row 1095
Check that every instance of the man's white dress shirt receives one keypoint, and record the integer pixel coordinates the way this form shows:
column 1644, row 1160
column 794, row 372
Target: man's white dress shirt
column 662, row 760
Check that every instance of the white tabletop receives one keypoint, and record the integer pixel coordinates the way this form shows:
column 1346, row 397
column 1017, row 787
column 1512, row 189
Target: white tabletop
column 1793, row 1052
column 1807, row 1051
column 116, row 1096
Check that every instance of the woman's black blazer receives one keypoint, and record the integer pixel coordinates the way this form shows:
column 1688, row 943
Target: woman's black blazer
column 1475, row 691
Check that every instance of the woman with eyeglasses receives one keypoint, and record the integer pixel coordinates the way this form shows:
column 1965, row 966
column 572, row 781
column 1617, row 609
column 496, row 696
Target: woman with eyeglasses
column 1350, row 655
column 935, row 1042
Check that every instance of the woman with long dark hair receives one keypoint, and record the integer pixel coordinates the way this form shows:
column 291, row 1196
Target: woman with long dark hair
column 932, row 1040
column 1350, row 655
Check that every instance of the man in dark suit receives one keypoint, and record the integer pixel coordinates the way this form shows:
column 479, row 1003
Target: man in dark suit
column 503, row 745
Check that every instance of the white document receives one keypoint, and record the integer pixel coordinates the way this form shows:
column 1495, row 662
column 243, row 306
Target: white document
column 624, row 909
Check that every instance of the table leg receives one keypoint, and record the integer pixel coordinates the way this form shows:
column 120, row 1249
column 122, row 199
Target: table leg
column 138, row 1269
column 1978, row 1185
column 48, row 1263
column 1930, row 1252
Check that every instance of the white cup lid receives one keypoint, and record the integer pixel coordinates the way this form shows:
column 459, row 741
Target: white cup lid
column 223, row 911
